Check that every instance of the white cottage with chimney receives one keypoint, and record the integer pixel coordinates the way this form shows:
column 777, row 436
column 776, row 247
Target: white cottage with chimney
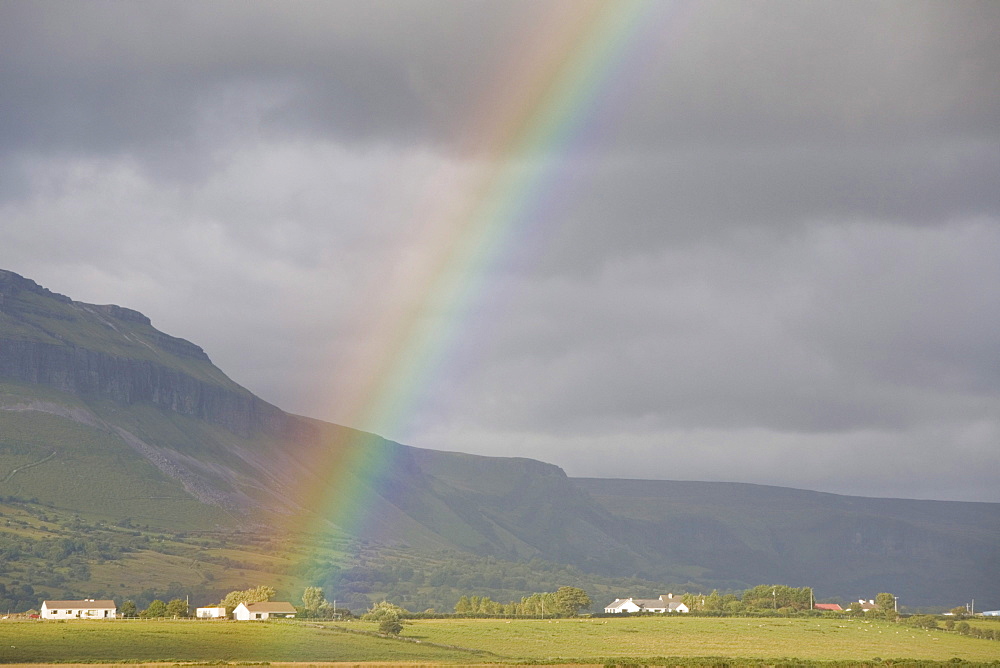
column 666, row 603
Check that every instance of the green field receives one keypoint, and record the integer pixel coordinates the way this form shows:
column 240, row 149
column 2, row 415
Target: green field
column 170, row 641
column 644, row 638
column 648, row 641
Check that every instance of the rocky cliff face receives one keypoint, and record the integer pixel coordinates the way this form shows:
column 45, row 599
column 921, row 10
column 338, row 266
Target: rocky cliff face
column 115, row 353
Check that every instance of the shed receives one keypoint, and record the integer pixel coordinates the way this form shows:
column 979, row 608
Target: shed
column 214, row 612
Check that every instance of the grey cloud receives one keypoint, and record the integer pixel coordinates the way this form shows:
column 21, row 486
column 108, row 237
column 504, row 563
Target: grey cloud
column 107, row 76
column 679, row 197
column 110, row 76
column 865, row 326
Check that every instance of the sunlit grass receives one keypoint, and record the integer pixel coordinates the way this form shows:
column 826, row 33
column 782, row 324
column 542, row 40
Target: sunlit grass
column 148, row 640
column 682, row 636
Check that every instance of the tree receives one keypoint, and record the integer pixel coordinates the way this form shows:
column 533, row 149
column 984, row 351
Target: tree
column 734, row 606
column 315, row 604
column 764, row 597
column 570, row 600
column 713, row 601
column 252, row 595
column 885, row 601
column 381, row 611
column 157, row 608
column 177, row 608
column 128, row 609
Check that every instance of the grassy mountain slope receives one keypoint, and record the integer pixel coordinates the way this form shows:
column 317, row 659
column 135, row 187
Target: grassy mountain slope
column 933, row 550
column 106, row 417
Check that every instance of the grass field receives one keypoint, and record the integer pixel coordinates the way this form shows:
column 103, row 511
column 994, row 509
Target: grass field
column 206, row 641
column 471, row 642
column 677, row 636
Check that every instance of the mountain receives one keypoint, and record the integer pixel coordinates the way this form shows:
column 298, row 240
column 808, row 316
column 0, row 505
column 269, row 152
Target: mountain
column 934, row 551
column 103, row 415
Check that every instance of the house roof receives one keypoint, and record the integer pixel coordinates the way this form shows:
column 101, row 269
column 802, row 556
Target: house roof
column 646, row 602
column 666, row 601
column 649, row 602
column 827, row 606
column 272, row 607
column 85, row 604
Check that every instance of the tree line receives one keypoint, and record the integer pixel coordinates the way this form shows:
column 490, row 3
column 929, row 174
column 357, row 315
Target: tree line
column 778, row 598
column 566, row 601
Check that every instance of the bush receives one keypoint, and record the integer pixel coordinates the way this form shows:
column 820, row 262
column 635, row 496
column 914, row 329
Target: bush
column 390, row 626
column 923, row 621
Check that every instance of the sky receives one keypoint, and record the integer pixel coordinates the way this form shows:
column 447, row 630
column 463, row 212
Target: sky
column 754, row 242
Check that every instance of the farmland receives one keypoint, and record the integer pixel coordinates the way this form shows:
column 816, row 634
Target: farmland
column 171, row 641
column 650, row 641
column 597, row 639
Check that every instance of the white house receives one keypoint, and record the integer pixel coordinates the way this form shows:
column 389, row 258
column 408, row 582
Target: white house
column 210, row 613
column 862, row 604
column 263, row 610
column 666, row 603
column 85, row 609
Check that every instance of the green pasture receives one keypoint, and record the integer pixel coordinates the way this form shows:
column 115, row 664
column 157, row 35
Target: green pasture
column 84, row 641
column 645, row 638
column 638, row 641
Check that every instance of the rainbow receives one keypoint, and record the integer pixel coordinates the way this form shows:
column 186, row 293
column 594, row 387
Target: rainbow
column 557, row 95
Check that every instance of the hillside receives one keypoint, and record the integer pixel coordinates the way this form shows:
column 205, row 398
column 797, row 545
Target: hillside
column 105, row 417
column 931, row 550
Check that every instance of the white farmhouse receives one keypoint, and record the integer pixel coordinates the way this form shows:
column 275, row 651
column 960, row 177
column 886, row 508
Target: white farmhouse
column 210, row 613
column 263, row 610
column 85, row 609
column 666, row 603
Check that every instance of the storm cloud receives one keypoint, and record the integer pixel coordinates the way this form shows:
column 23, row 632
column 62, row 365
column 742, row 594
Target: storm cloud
column 771, row 254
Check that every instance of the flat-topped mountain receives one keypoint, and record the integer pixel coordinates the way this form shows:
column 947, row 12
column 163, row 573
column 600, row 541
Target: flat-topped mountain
column 102, row 413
